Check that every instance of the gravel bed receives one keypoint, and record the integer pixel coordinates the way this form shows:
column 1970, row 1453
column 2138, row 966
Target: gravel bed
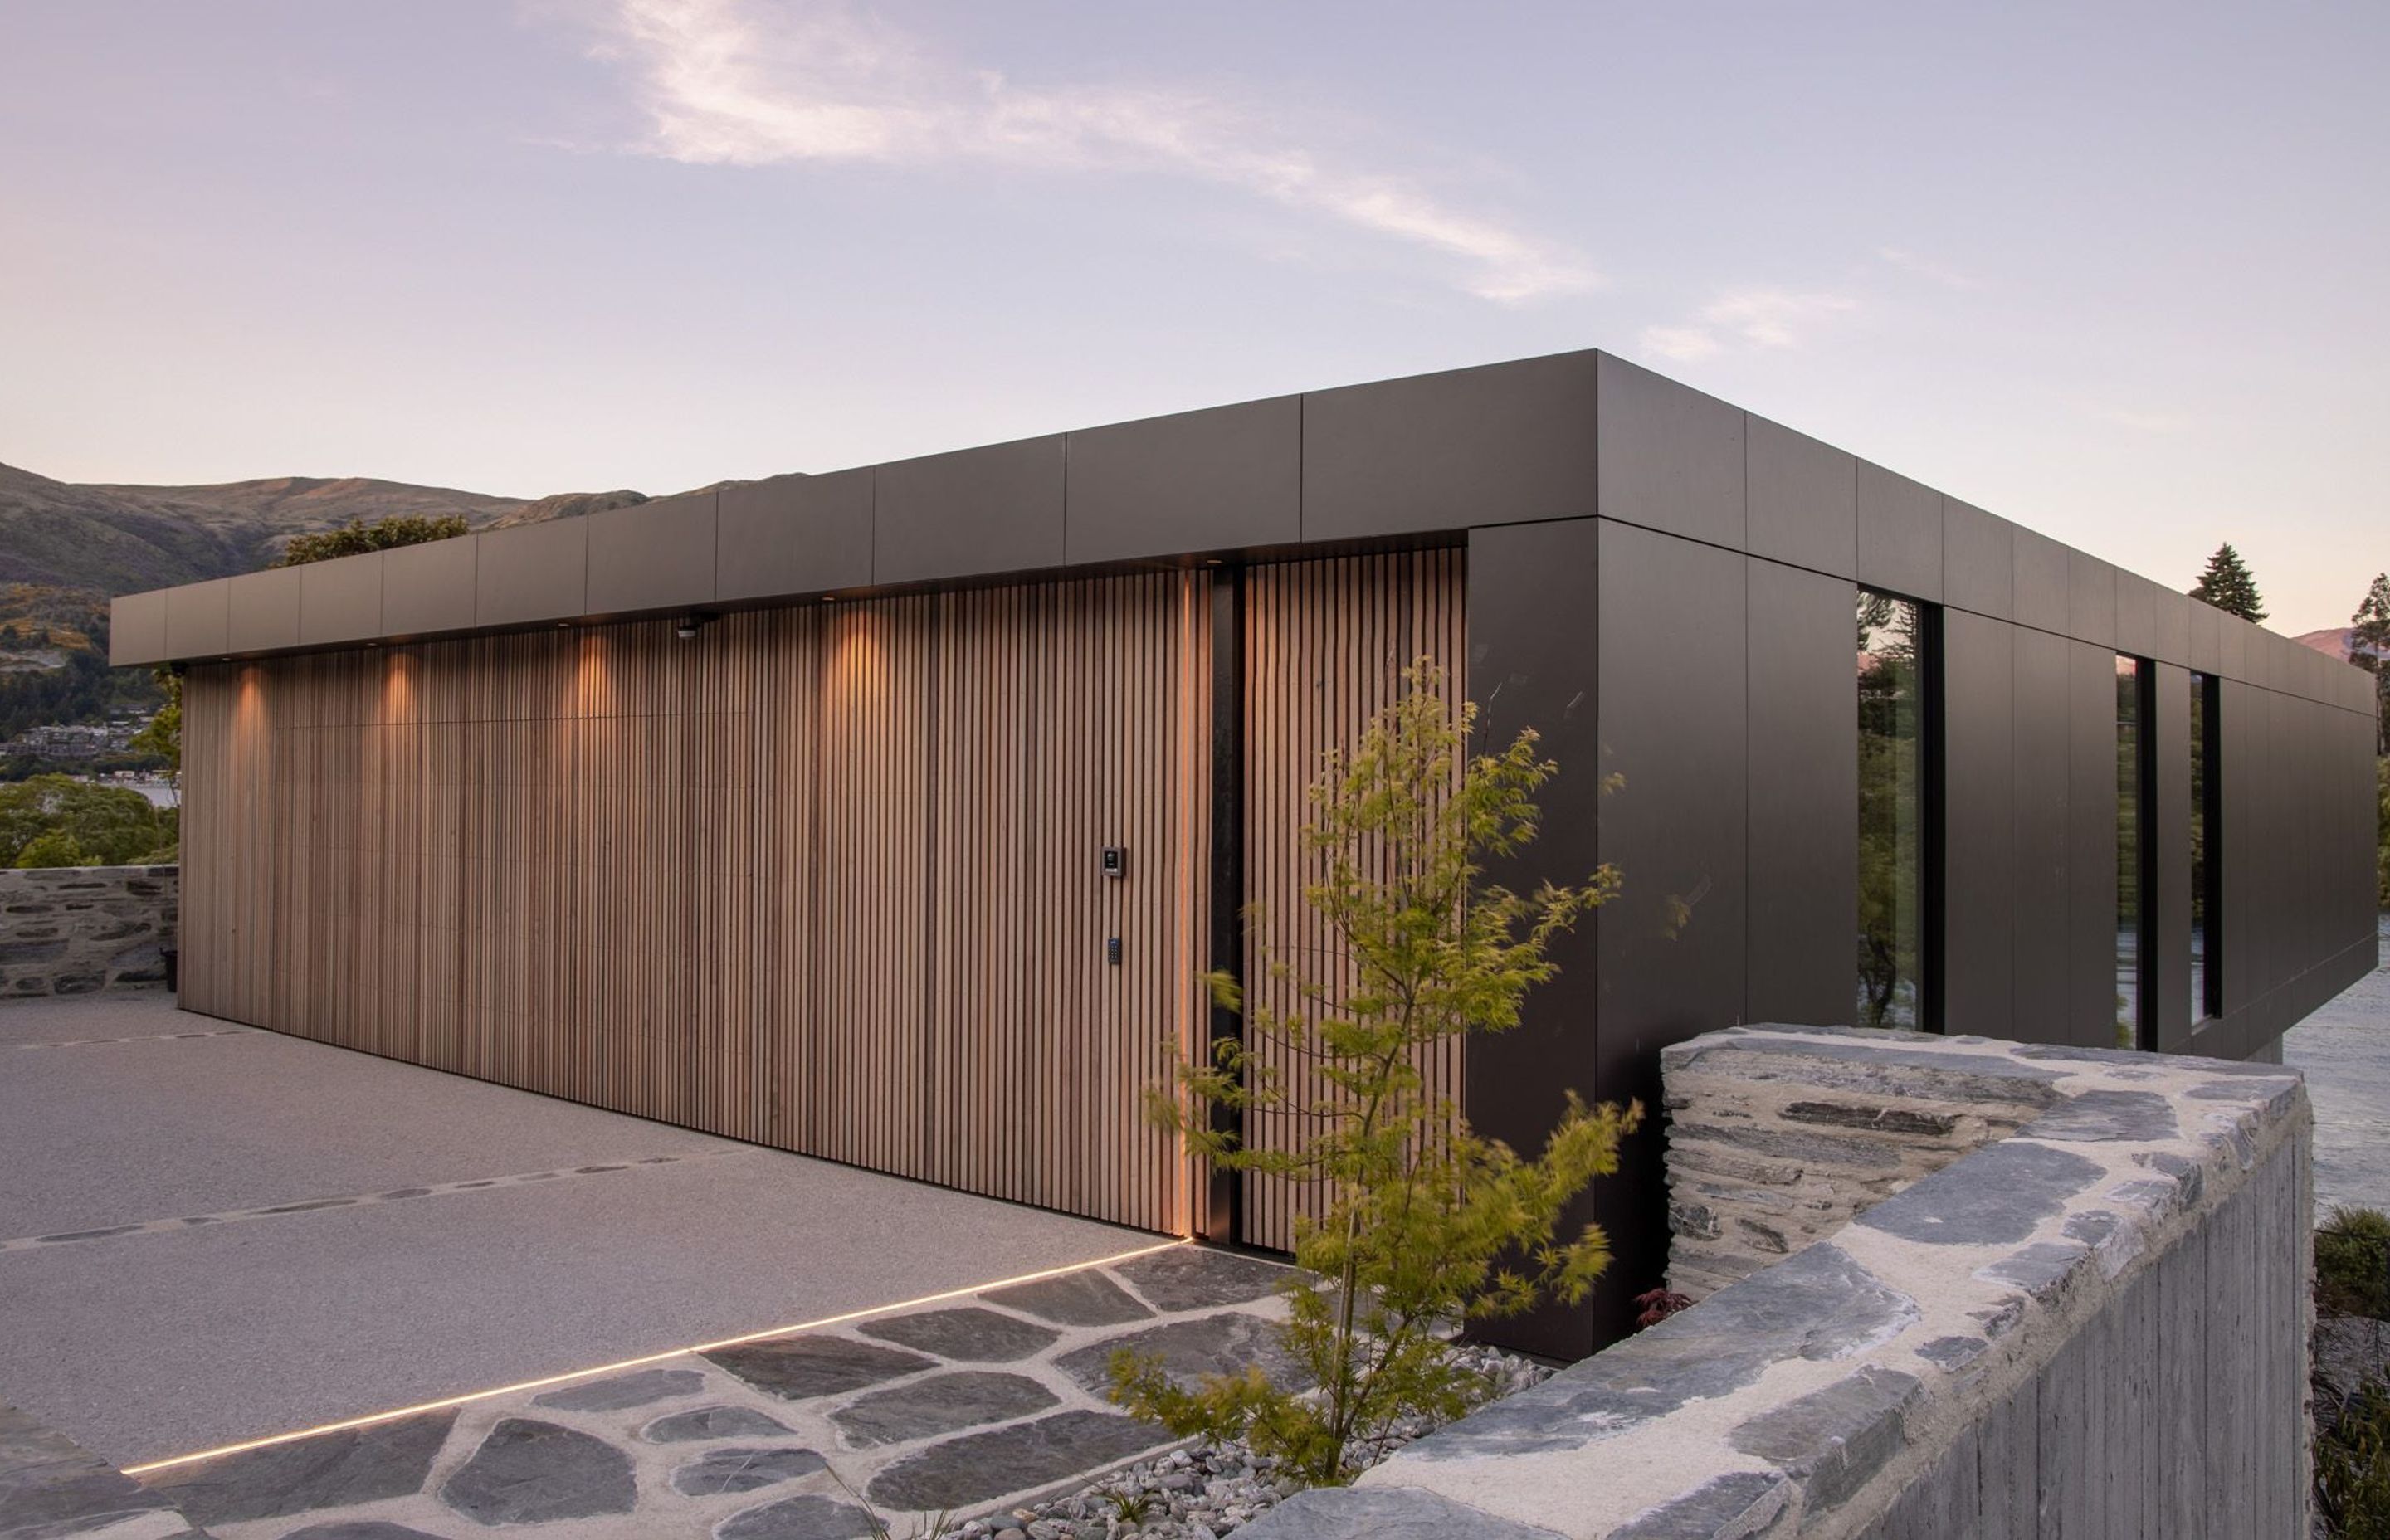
column 1207, row 1492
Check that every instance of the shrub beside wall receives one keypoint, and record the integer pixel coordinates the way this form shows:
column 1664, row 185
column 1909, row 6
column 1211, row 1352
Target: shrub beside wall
column 74, row 929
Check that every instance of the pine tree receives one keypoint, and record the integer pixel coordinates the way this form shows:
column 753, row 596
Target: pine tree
column 2368, row 649
column 2228, row 586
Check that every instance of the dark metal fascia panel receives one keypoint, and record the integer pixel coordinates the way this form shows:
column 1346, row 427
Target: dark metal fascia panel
column 1533, row 656
column 2042, row 777
column 1977, row 559
column 2041, row 590
column 1803, row 499
column 1673, row 724
column 659, row 555
column 533, row 572
column 997, row 508
column 264, row 609
column 1801, row 797
column 1500, row 444
column 1669, row 458
column 429, row 588
column 2091, row 599
column 136, row 628
column 340, row 600
column 2091, row 875
column 1899, row 534
column 1978, row 878
column 198, row 618
column 790, row 535
column 1227, row 479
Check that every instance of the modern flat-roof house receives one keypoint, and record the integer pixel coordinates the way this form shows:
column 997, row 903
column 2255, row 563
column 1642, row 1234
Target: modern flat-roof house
column 890, row 815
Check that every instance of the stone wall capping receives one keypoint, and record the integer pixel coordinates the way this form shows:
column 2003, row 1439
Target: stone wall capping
column 1922, row 1261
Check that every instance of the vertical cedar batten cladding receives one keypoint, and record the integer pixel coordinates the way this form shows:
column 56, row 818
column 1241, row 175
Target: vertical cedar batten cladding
column 1326, row 644
column 825, row 877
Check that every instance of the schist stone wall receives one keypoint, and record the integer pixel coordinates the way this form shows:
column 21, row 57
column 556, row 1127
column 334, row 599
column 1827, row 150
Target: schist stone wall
column 1953, row 1286
column 72, row 930
column 1770, row 1149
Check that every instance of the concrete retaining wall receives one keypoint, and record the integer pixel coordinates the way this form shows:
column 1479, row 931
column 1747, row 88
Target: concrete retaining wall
column 72, row 930
column 2072, row 1303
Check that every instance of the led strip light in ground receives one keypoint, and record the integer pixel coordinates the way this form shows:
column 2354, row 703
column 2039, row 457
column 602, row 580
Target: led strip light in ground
column 643, row 1360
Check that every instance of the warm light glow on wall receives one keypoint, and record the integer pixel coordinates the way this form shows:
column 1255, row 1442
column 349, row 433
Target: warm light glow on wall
column 858, row 654
column 398, row 687
column 592, row 683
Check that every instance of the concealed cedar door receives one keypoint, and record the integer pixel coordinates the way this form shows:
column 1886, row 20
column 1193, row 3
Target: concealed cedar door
column 827, row 877
column 1326, row 643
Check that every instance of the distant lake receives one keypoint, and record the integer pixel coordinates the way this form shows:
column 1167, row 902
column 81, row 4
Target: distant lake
column 160, row 793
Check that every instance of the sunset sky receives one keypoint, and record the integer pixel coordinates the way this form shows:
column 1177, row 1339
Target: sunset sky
column 2114, row 271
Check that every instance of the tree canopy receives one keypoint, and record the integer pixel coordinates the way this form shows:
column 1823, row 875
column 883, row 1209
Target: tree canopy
column 2228, row 586
column 59, row 821
column 355, row 538
column 2368, row 649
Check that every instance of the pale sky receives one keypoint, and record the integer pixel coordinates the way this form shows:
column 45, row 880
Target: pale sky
column 2114, row 271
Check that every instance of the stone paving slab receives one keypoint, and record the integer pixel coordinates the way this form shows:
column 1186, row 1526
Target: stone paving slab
column 959, row 1407
column 51, row 1488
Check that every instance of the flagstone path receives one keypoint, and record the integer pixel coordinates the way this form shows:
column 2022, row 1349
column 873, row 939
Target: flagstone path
column 964, row 1408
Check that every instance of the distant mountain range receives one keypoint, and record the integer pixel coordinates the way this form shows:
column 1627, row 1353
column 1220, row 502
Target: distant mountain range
column 2332, row 641
column 121, row 539
column 66, row 548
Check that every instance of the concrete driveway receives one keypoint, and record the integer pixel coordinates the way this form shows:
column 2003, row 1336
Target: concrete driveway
column 209, row 1234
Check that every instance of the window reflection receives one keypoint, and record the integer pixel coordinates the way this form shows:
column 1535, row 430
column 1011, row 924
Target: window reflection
column 1892, row 783
column 2132, row 871
column 2207, row 996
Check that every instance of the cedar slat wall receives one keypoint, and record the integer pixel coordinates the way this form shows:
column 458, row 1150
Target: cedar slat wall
column 1325, row 647
column 825, row 878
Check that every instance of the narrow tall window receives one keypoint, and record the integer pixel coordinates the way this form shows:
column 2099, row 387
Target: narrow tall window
column 1892, row 806
column 2134, row 1030
column 2206, row 981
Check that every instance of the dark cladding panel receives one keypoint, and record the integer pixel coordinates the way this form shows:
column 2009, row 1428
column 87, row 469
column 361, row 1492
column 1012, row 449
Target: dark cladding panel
column 1977, row 559
column 2206, row 643
column 2170, row 641
column 657, row 555
column 2090, row 599
column 1979, row 882
column 1673, row 723
column 2230, row 644
column 340, row 600
column 198, row 618
column 2041, row 582
column 2165, row 983
column 1669, row 458
column 265, row 609
column 1496, row 445
column 992, row 509
column 795, row 535
column 533, row 572
column 428, row 587
column 1803, row 499
column 2043, row 777
column 2137, row 615
column 1531, row 600
column 136, row 628
column 1210, row 480
column 2091, row 750
column 1803, row 797
column 1900, row 534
